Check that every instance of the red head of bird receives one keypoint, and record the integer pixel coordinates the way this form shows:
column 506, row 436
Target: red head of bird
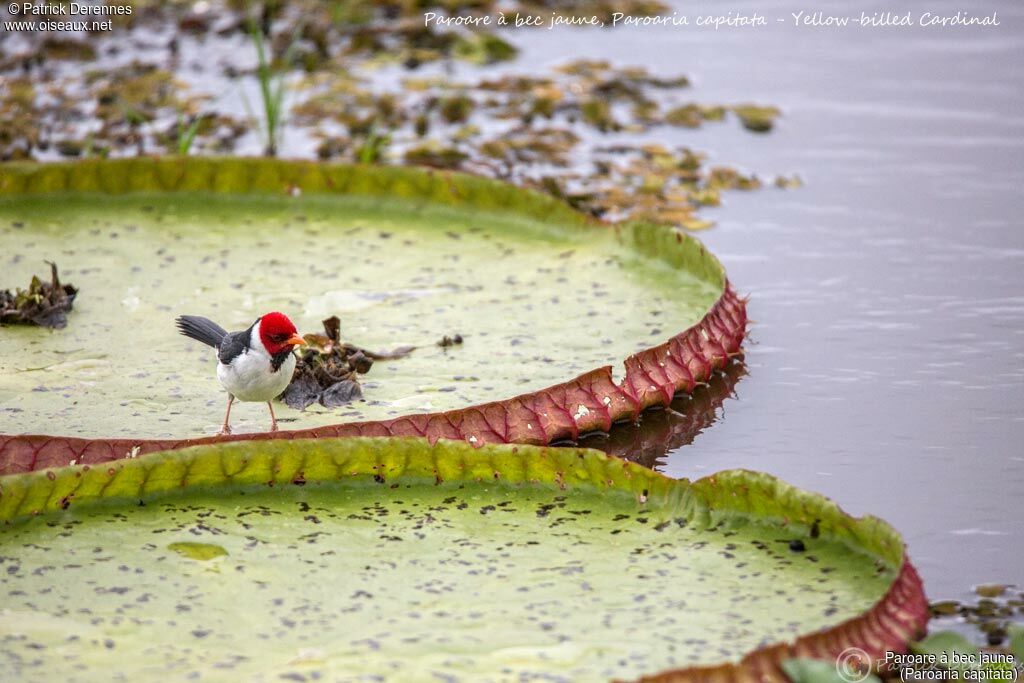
column 277, row 333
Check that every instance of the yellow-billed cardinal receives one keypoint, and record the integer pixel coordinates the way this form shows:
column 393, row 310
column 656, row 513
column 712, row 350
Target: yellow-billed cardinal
column 253, row 365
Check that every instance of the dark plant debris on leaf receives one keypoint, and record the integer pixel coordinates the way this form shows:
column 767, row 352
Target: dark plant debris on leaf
column 45, row 304
column 446, row 341
column 328, row 370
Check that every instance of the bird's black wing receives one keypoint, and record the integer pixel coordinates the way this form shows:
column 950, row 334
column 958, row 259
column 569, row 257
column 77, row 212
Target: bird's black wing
column 201, row 329
column 234, row 345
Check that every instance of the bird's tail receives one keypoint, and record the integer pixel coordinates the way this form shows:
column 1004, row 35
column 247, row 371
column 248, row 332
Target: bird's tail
column 201, row 329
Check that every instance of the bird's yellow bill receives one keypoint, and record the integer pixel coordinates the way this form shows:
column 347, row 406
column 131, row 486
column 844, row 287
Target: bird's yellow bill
column 296, row 340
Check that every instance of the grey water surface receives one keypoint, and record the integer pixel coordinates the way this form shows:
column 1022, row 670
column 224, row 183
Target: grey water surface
column 886, row 365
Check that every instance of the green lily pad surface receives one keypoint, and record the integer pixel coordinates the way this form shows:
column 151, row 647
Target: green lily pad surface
column 370, row 558
column 536, row 301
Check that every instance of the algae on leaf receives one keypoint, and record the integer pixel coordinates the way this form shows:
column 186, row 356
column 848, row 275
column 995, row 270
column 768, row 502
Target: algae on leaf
column 539, row 296
column 391, row 557
column 202, row 552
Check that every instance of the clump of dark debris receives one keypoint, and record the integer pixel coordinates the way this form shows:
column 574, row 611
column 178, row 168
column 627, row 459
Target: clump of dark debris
column 328, row 370
column 44, row 303
column 446, row 341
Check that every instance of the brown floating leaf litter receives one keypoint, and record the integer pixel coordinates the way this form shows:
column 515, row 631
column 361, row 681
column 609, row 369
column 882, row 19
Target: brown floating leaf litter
column 542, row 130
column 328, row 370
column 45, row 304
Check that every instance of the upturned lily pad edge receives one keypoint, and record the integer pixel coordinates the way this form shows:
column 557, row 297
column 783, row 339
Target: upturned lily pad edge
column 589, row 403
column 890, row 624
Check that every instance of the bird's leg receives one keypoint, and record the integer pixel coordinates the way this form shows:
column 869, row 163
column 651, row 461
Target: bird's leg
column 226, row 429
column 273, row 420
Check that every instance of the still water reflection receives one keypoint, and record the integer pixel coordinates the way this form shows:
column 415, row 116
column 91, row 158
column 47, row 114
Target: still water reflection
column 886, row 366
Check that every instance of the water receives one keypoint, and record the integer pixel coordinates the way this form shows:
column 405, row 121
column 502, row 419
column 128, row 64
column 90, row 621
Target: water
column 886, row 365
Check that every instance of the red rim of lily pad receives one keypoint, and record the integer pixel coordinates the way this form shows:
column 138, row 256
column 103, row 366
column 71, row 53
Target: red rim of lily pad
column 589, row 403
column 900, row 617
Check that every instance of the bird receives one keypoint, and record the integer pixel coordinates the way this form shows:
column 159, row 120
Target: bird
column 255, row 364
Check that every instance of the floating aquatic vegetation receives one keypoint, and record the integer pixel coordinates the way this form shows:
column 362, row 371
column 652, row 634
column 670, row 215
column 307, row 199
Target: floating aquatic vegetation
column 635, row 181
column 604, row 10
column 328, row 369
column 524, row 128
column 484, row 48
column 788, row 182
column 423, row 531
column 953, row 657
column 806, row 670
column 434, row 155
column 128, row 98
column 724, row 178
column 638, row 181
column 652, row 183
column 45, row 304
column 759, row 119
column 332, row 146
column 368, row 117
column 455, row 109
column 598, row 113
column 57, row 47
column 135, row 90
column 990, row 613
column 70, row 148
column 21, row 132
column 207, row 131
column 524, row 145
column 201, row 552
column 693, row 115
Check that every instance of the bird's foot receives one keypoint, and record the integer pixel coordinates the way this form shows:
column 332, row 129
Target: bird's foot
column 273, row 418
column 224, row 431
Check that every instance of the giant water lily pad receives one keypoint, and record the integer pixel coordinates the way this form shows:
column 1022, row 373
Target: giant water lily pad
column 539, row 293
column 394, row 558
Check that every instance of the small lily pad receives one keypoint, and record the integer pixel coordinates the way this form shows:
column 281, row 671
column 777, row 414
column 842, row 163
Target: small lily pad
column 952, row 651
column 756, row 118
column 1017, row 642
column 203, row 552
column 943, row 644
column 990, row 590
column 817, row 671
